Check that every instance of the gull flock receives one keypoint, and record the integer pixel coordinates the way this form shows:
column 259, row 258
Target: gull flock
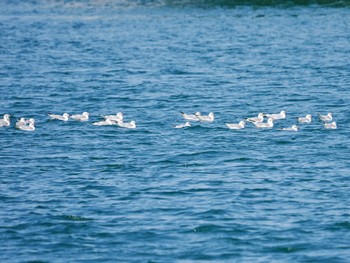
column 261, row 121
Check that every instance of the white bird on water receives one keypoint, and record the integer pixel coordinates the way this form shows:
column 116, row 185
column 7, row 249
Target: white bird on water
column 209, row 118
column 268, row 124
column 81, row 117
column 277, row 116
column 180, row 126
column 5, row 121
column 259, row 118
column 119, row 117
column 332, row 125
column 21, row 121
column 326, row 118
column 63, row 117
column 127, row 125
column 191, row 117
column 293, row 128
column 104, row 122
column 306, row 119
column 236, row 126
column 26, row 125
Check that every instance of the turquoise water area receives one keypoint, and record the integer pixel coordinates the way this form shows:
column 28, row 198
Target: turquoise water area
column 74, row 192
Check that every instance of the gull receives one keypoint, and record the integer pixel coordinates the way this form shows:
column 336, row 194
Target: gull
column 191, row 117
column 260, row 118
column 209, row 118
column 63, row 117
column 127, row 125
column 26, row 127
column 81, row 117
column 22, row 121
column 180, row 126
column 306, row 119
column 293, row 128
column 277, row 116
column 326, row 118
column 268, row 124
column 236, row 126
column 118, row 117
column 332, row 125
column 5, row 121
column 105, row 122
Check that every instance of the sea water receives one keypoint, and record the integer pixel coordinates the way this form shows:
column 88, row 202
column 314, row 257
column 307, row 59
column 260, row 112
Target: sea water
column 74, row 192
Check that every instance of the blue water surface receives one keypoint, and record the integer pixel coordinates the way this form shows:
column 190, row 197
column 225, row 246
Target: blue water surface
column 74, row 192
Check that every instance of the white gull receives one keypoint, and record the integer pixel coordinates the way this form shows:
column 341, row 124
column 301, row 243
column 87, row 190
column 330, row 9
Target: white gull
column 236, row 126
column 63, row 117
column 306, row 119
column 20, row 122
column 325, row 118
column 204, row 118
column 81, row 117
column 5, row 121
column 332, row 125
column 268, row 124
column 26, row 125
column 180, row 126
column 119, row 117
column 277, row 116
column 127, row 125
column 260, row 118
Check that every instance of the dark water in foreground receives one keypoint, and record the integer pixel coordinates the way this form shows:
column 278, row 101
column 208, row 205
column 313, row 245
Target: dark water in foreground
column 73, row 192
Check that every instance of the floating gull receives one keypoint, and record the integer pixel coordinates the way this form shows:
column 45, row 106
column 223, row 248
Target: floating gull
column 63, row 117
column 326, row 118
column 191, row 117
column 293, row 128
column 128, row 125
column 180, row 126
column 332, row 125
column 5, row 121
column 24, row 125
column 260, row 118
column 118, row 117
column 277, row 116
column 81, row 117
column 20, row 122
column 236, row 126
column 268, row 124
column 306, row 119
column 105, row 122
column 203, row 118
